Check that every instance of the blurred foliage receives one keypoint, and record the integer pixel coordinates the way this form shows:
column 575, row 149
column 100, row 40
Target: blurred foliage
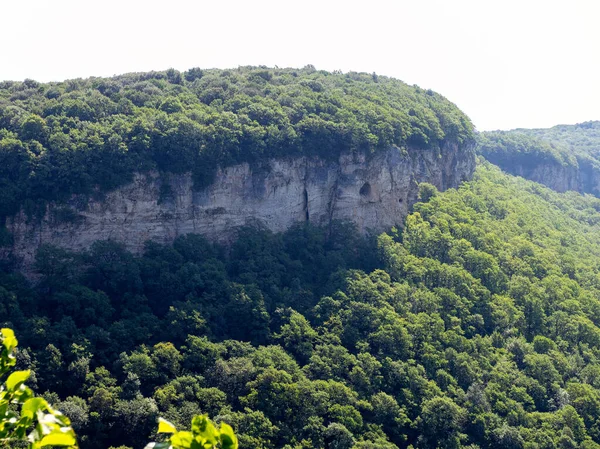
column 203, row 434
column 35, row 423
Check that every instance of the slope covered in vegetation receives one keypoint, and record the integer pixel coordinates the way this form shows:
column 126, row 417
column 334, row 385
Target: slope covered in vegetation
column 477, row 325
column 564, row 144
column 85, row 135
column 564, row 157
column 582, row 139
column 518, row 148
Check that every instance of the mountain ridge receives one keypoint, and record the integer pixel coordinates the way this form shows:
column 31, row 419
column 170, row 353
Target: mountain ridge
column 65, row 147
column 563, row 157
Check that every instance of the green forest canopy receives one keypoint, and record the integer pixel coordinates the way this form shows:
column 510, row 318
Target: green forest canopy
column 29, row 420
column 77, row 136
column 566, row 145
column 477, row 325
column 581, row 139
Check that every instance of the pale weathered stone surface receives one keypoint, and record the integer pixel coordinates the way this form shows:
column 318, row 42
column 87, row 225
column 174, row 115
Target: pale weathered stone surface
column 375, row 192
column 552, row 174
column 582, row 177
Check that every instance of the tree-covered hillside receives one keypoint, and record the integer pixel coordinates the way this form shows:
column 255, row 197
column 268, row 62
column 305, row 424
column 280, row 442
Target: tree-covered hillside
column 89, row 135
column 581, row 139
column 516, row 148
column 477, row 325
column 566, row 145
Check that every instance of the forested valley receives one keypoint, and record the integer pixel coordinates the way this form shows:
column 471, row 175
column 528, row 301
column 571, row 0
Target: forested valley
column 476, row 325
column 473, row 324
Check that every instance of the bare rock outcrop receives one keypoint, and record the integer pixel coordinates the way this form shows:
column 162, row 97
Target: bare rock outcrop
column 373, row 191
column 582, row 176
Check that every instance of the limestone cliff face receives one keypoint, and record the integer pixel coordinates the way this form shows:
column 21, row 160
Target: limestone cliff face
column 550, row 173
column 375, row 192
column 583, row 177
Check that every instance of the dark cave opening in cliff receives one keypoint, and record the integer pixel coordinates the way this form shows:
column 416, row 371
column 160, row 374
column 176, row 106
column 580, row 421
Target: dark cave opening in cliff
column 365, row 190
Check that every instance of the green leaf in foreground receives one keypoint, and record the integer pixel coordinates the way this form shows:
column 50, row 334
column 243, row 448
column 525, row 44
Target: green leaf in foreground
column 165, row 426
column 16, row 379
column 204, row 434
column 58, row 438
column 50, row 427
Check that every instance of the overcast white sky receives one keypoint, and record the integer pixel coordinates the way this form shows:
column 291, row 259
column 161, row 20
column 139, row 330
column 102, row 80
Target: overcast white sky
column 506, row 63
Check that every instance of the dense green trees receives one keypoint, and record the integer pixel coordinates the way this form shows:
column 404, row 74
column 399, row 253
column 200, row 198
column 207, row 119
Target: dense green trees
column 566, row 145
column 506, row 148
column 563, row 157
column 475, row 325
column 581, row 139
column 58, row 139
column 40, row 425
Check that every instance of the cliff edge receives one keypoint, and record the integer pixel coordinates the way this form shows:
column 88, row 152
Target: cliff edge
column 375, row 192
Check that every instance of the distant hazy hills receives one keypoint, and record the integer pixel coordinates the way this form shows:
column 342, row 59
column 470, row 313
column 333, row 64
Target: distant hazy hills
column 564, row 157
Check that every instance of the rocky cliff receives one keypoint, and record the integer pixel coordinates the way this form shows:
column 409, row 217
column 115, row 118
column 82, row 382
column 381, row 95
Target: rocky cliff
column 583, row 176
column 375, row 192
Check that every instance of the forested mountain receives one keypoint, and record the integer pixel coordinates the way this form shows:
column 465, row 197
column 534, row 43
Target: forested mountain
column 91, row 135
column 476, row 325
column 582, row 139
column 564, row 157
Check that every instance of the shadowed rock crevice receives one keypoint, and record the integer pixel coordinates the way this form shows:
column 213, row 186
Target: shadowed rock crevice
column 305, row 204
column 365, row 190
